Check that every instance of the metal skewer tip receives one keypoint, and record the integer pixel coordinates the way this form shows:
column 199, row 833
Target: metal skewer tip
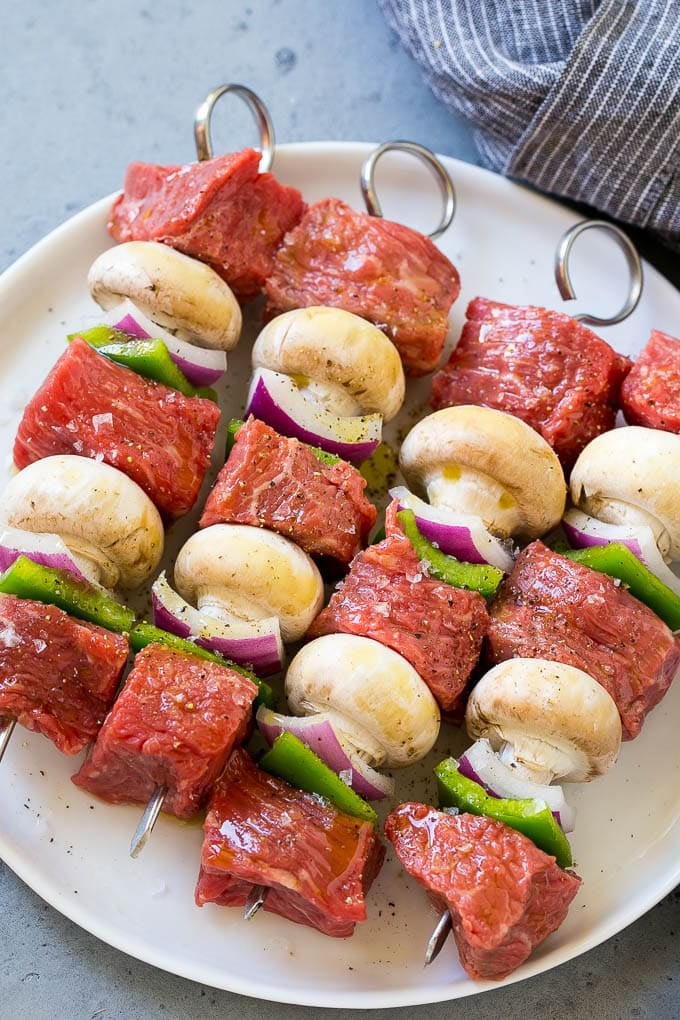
column 148, row 820
column 256, row 898
column 7, row 724
column 438, row 938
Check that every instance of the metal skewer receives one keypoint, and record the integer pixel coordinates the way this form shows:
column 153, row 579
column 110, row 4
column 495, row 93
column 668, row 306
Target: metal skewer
column 148, row 820
column 566, row 289
column 563, row 277
column 368, row 188
column 438, row 937
column 203, row 116
column 7, row 724
column 256, row 898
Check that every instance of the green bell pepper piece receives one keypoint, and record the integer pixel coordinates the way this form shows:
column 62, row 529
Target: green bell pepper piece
column 144, row 634
column 292, row 760
column 149, row 358
column 532, row 817
column 617, row 560
column 474, row 576
column 29, row 580
column 236, row 423
column 232, row 428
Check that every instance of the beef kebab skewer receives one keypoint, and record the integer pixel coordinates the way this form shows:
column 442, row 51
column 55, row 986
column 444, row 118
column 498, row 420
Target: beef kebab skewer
column 637, row 681
column 235, row 574
column 443, row 927
column 202, row 132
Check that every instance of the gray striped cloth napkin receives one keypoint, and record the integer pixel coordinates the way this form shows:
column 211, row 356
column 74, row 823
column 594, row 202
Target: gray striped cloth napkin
column 579, row 98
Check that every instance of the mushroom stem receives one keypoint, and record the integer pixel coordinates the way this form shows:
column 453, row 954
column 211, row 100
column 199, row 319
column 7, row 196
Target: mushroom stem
column 617, row 511
column 530, row 770
column 330, row 395
column 356, row 738
column 463, row 489
column 92, row 561
column 223, row 604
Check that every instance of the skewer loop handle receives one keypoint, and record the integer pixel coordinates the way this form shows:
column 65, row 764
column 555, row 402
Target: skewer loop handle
column 203, row 115
column 428, row 157
column 563, row 279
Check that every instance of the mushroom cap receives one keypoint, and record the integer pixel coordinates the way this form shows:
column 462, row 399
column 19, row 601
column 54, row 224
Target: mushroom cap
column 92, row 506
column 176, row 291
column 372, row 690
column 261, row 569
column 555, row 716
column 498, row 445
column 633, row 465
column 330, row 345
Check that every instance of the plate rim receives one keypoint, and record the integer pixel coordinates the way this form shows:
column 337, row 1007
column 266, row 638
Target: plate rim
column 163, row 959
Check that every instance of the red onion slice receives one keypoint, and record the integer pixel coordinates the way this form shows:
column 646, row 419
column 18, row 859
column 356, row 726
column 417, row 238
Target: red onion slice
column 256, row 644
column 459, row 534
column 201, row 366
column 482, row 764
column 583, row 531
column 318, row 733
column 45, row 549
column 277, row 400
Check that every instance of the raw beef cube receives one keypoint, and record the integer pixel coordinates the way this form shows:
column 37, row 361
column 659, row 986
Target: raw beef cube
column 273, row 482
column 90, row 405
column 505, row 896
column 650, row 395
column 174, row 724
column 316, row 863
column 222, row 211
column 58, row 675
column 383, row 271
column 386, row 596
column 542, row 366
column 552, row 608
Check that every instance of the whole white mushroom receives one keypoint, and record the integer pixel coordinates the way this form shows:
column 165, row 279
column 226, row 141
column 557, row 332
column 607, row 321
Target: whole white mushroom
column 487, row 463
column 376, row 701
column 186, row 296
column 236, row 571
column 340, row 360
column 548, row 720
column 104, row 518
column 631, row 476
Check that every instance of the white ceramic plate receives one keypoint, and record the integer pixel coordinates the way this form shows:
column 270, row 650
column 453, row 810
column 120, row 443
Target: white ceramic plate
column 73, row 851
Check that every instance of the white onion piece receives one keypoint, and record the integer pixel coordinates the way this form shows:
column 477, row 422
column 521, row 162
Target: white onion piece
column 45, row 549
column 459, row 534
column 277, row 400
column 583, row 531
column 250, row 643
column 318, row 733
column 201, row 366
column 481, row 763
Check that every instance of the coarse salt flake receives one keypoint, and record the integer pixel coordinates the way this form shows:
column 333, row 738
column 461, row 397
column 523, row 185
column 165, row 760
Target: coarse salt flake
column 101, row 419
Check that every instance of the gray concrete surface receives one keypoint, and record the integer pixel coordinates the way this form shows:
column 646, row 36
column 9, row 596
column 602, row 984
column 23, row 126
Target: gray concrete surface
column 87, row 86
